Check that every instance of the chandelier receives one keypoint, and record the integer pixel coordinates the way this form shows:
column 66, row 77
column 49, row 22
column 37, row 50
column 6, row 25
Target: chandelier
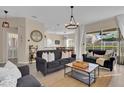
column 5, row 24
column 72, row 24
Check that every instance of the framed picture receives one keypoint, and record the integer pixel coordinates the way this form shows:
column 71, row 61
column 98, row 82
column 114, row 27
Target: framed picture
column 57, row 42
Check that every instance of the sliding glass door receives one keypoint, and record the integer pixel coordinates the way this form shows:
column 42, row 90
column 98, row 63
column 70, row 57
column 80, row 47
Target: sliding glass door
column 107, row 40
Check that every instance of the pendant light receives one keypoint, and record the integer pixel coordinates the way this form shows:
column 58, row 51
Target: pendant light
column 5, row 24
column 72, row 24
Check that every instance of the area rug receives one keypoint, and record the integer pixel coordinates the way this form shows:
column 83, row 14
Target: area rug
column 57, row 79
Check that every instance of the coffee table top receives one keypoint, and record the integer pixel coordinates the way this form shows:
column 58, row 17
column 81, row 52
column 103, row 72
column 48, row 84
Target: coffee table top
column 91, row 67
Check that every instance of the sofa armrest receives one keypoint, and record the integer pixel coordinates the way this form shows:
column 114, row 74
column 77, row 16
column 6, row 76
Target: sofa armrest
column 41, row 65
column 24, row 70
column 112, row 59
column 73, row 56
column 109, row 63
column 40, row 61
column 84, row 57
column 28, row 81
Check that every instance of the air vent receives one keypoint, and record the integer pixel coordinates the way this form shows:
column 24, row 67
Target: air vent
column 34, row 17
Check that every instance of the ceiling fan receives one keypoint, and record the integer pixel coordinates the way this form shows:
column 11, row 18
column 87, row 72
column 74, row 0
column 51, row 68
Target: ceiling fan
column 101, row 33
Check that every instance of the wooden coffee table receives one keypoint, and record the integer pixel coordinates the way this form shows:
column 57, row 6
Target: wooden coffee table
column 87, row 75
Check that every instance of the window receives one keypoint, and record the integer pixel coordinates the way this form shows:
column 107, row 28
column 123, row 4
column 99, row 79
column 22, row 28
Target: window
column 69, row 43
column 107, row 40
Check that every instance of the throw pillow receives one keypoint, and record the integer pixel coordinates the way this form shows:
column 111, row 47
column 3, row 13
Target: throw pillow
column 69, row 54
column 45, row 56
column 109, row 53
column 100, row 61
column 64, row 54
column 90, row 54
column 51, row 57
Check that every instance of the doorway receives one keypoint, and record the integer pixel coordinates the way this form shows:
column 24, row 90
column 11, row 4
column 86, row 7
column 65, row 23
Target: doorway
column 12, row 47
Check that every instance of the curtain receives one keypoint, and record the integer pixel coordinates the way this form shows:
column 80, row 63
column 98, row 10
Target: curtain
column 120, row 22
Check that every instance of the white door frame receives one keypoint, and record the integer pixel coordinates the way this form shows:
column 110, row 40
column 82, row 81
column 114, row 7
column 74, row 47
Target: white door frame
column 5, row 41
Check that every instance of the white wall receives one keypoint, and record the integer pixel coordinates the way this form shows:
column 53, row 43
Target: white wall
column 1, row 45
column 18, row 23
column 78, row 42
column 30, row 26
column 24, row 27
column 54, row 37
column 102, row 24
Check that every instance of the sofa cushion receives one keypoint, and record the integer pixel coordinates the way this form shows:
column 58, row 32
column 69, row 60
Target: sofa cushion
column 64, row 61
column 72, row 59
column 53, row 64
column 28, row 81
column 92, row 57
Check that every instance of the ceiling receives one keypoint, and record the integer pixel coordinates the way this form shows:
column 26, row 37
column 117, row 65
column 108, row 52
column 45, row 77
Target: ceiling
column 54, row 17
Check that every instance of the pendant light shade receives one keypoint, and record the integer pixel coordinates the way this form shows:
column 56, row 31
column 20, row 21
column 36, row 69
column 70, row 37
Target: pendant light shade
column 72, row 24
column 5, row 24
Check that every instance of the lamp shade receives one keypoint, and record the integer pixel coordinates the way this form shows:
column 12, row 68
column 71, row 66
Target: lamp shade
column 5, row 24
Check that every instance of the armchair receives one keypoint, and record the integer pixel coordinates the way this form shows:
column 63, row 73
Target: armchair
column 27, row 80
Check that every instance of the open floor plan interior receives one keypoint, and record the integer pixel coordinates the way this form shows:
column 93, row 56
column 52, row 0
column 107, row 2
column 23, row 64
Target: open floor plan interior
column 61, row 46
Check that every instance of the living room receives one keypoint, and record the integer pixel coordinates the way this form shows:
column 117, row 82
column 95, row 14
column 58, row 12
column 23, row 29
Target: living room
column 41, row 45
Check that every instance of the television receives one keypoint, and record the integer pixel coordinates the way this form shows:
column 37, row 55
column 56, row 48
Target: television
column 57, row 42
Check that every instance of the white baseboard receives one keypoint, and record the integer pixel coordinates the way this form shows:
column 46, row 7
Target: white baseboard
column 1, row 61
column 23, row 62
